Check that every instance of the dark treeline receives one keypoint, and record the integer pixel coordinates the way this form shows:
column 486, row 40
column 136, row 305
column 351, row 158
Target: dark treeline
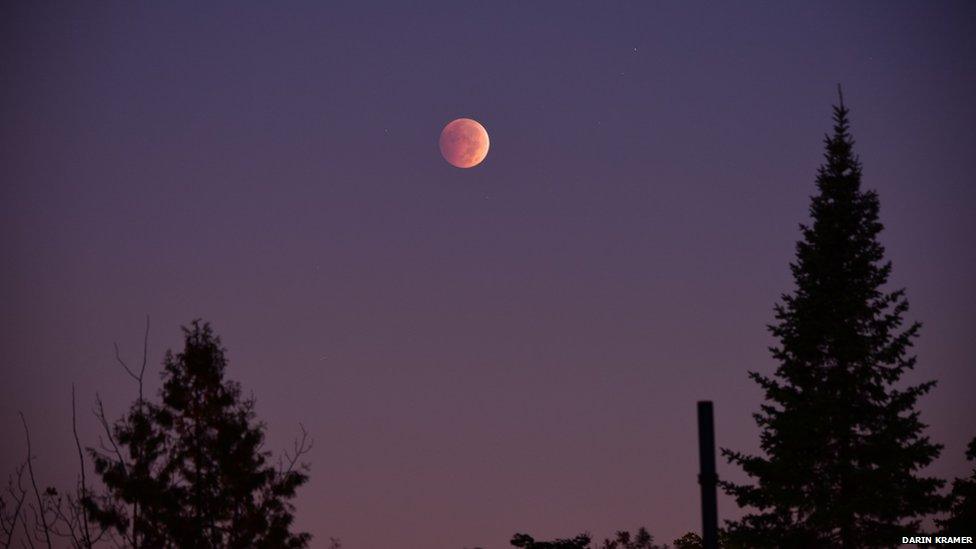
column 641, row 539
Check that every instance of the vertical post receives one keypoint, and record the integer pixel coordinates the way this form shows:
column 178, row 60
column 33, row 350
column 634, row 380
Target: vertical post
column 707, row 477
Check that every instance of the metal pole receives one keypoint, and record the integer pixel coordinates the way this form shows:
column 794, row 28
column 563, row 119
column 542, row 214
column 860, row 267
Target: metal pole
column 707, row 477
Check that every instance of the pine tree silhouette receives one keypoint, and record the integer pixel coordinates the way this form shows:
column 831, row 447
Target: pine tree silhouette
column 841, row 443
column 190, row 471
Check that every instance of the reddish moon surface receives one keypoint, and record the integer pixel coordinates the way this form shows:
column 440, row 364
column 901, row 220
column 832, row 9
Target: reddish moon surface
column 464, row 143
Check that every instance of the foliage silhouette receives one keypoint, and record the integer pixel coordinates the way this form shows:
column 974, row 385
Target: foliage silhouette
column 962, row 513
column 641, row 539
column 581, row 541
column 842, row 444
column 190, row 471
column 690, row 540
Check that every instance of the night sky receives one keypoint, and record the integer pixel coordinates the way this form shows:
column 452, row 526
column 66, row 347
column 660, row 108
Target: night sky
column 514, row 347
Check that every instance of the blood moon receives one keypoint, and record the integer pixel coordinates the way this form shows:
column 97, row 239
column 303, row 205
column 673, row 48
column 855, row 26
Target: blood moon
column 464, row 143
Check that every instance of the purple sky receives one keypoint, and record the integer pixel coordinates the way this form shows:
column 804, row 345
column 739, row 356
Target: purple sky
column 515, row 347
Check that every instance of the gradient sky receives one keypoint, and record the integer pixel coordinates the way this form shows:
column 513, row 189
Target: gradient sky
column 515, row 347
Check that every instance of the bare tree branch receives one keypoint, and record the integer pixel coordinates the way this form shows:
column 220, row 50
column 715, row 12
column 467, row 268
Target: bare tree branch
column 103, row 421
column 301, row 446
column 83, row 489
column 30, row 469
column 56, row 503
column 145, row 355
column 8, row 521
column 100, row 414
column 118, row 358
column 27, row 533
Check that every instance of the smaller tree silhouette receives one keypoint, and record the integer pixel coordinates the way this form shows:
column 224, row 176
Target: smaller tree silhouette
column 190, row 471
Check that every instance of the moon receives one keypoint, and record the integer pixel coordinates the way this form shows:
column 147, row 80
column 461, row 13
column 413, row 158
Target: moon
column 464, row 143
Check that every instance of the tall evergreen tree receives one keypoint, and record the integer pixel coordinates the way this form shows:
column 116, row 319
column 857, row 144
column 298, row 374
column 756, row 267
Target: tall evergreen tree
column 189, row 471
column 842, row 442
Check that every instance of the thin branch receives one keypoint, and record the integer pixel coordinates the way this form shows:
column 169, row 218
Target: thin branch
column 118, row 358
column 83, row 491
column 300, row 447
column 27, row 536
column 23, row 521
column 70, row 518
column 145, row 355
column 100, row 415
column 18, row 495
column 37, row 493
